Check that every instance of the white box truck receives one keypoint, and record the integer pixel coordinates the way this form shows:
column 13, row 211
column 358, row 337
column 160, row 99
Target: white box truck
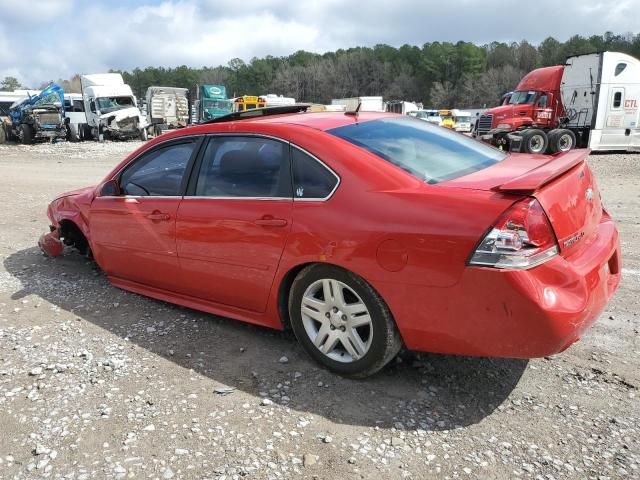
column 367, row 104
column 111, row 108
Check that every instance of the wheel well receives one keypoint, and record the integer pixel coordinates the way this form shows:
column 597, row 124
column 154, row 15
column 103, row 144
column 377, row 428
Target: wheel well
column 283, row 294
column 72, row 236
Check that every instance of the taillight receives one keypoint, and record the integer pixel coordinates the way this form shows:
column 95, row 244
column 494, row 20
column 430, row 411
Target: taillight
column 521, row 238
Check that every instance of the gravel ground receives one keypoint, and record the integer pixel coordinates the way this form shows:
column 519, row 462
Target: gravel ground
column 99, row 383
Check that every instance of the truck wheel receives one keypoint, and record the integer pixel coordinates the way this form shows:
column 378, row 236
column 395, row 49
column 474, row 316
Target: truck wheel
column 535, row 141
column 7, row 133
column 143, row 134
column 72, row 133
column 26, row 134
column 3, row 136
column 562, row 140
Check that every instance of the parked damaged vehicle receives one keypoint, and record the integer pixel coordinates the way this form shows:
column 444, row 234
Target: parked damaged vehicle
column 111, row 108
column 38, row 117
column 363, row 233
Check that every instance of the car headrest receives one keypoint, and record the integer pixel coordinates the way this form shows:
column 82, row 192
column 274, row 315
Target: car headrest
column 238, row 162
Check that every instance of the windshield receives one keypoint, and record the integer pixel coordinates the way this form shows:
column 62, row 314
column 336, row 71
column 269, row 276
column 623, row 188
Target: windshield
column 4, row 108
column 463, row 119
column 430, row 153
column 520, row 98
column 427, row 115
column 111, row 104
column 219, row 104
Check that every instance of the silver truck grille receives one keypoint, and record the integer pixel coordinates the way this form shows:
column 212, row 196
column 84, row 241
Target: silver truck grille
column 484, row 124
column 49, row 118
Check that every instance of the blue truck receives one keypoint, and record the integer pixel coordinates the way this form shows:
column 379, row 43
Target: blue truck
column 38, row 117
column 213, row 102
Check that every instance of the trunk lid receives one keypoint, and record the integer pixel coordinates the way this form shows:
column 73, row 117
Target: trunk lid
column 563, row 184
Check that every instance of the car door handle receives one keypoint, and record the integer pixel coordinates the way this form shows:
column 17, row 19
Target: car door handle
column 269, row 221
column 159, row 216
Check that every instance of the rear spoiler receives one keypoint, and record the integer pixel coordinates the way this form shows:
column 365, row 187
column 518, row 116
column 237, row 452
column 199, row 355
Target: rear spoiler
column 545, row 173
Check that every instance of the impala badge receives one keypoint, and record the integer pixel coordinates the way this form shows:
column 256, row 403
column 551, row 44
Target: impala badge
column 588, row 194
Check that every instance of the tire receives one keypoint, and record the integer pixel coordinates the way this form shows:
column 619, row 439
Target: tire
column 3, row 135
column 27, row 134
column 535, row 141
column 7, row 133
column 376, row 338
column 72, row 133
column 562, row 141
column 143, row 134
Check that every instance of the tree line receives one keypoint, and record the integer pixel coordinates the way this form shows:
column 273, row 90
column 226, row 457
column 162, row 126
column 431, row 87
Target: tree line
column 438, row 74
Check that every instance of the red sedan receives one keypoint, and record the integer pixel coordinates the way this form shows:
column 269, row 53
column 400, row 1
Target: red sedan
column 362, row 232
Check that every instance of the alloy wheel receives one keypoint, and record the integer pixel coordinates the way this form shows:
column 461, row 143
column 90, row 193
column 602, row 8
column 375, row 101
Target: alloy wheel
column 336, row 320
column 536, row 143
column 565, row 142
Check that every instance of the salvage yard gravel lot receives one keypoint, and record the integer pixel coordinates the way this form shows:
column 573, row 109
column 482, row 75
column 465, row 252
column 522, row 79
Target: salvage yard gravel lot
column 99, row 383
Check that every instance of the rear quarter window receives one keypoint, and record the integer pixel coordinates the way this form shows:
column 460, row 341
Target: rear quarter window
column 431, row 153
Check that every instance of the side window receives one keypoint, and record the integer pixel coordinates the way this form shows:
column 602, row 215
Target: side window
column 617, row 99
column 619, row 69
column 542, row 103
column 311, row 179
column 159, row 172
column 245, row 167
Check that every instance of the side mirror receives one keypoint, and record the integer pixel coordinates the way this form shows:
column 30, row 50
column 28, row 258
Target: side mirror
column 92, row 106
column 110, row 188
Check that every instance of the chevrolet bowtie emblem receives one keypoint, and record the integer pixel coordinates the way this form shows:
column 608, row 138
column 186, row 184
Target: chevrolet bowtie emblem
column 588, row 194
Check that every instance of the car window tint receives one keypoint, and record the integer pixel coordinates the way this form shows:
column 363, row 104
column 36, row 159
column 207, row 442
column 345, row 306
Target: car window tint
column 311, row 179
column 428, row 152
column 159, row 172
column 244, row 167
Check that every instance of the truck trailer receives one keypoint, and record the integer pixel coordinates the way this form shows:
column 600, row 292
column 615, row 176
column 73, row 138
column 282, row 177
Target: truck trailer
column 167, row 108
column 590, row 101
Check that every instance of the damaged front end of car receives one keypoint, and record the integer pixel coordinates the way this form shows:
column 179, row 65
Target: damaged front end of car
column 68, row 225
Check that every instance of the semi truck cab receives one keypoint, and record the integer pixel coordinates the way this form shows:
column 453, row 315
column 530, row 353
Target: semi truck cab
column 590, row 101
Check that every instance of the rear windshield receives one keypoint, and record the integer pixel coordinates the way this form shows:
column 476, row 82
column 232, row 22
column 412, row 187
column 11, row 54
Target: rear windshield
column 431, row 153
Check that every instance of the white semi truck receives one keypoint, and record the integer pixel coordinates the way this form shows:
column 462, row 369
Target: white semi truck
column 111, row 108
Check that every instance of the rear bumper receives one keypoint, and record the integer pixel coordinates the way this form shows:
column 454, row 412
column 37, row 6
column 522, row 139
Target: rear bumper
column 517, row 314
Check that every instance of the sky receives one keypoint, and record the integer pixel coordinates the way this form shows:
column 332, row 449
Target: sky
column 42, row 40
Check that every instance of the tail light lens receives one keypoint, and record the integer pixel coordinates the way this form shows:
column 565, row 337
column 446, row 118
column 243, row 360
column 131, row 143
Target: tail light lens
column 521, row 238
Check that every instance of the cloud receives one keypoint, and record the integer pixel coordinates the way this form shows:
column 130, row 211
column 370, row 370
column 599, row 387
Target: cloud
column 45, row 40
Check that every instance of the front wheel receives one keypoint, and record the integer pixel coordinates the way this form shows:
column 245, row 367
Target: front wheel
column 26, row 134
column 342, row 322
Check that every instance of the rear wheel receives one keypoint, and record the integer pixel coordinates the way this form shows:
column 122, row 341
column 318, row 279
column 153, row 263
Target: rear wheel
column 342, row 322
column 535, row 141
column 562, row 140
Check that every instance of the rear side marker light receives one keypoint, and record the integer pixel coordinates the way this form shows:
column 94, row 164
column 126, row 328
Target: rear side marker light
column 521, row 238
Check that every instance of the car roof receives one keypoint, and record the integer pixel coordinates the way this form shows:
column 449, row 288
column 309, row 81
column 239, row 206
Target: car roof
column 317, row 120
